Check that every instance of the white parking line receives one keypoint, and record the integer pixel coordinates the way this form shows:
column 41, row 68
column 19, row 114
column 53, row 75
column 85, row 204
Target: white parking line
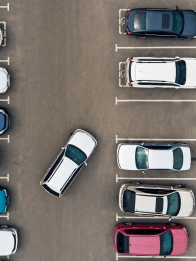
column 8, row 138
column 116, row 99
column 8, row 177
column 133, row 178
column 7, row 6
column 147, row 139
column 6, row 61
column 153, row 47
column 6, row 100
column 152, row 217
column 121, row 256
column 5, row 216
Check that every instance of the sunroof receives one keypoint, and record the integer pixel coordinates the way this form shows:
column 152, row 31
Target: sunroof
column 165, row 21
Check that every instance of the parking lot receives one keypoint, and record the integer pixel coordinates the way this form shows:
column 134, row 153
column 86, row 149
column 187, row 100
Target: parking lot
column 63, row 57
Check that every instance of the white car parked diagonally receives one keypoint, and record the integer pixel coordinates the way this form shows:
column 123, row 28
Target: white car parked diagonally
column 153, row 72
column 68, row 163
column 149, row 156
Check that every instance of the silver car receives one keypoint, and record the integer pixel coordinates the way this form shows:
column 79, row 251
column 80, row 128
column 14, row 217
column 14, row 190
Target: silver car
column 149, row 156
column 9, row 240
column 156, row 200
column 68, row 163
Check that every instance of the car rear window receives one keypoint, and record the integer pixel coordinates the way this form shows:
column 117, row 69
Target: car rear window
column 159, row 205
column 166, row 242
column 178, row 158
column 75, row 154
column 180, row 72
column 140, row 21
column 122, row 243
column 129, row 201
column 173, row 205
column 142, row 158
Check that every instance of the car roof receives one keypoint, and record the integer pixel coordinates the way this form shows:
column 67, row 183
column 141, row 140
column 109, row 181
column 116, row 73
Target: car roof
column 160, row 159
column 153, row 71
column 144, row 245
column 62, row 174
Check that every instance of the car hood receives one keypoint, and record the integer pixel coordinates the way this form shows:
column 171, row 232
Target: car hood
column 126, row 157
column 180, row 241
column 144, row 245
column 190, row 73
column 186, row 158
column 189, row 24
column 62, row 174
column 3, row 80
column 6, row 243
column 84, row 141
column 187, row 203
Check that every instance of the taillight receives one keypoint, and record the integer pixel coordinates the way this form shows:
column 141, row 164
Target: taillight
column 130, row 58
column 129, row 11
column 129, row 32
column 130, row 84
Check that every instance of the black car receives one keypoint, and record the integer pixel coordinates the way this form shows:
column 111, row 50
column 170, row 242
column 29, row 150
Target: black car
column 161, row 23
column 4, row 120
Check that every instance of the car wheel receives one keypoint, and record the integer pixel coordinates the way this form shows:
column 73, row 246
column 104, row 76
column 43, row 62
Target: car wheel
column 128, row 223
column 172, row 224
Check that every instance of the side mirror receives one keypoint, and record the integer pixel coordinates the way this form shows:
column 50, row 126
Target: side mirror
column 85, row 163
column 143, row 172
column 164, row 257
column 62, row 148
column 170, row 218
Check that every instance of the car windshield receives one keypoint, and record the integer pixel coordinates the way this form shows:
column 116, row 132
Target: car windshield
column 178, row 158
column 129, row 201
column 166, row 243
column 122, row 243
column 180, row 72
column 178, row 22
column 75, row 154
column 140, row 21
column 142, row 158
column 173, row 204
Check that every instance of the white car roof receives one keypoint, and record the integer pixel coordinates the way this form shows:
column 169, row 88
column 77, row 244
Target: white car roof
column 190, row 72
column 62, row 174
column 145, row 203
column 84, row 141
column 153, row 71
column 160, row 159
column 6, row 243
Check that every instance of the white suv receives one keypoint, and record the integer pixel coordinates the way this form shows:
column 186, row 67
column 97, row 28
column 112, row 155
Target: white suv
column 151, row 72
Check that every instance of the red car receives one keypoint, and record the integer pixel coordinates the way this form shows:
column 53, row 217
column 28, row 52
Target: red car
column 150, row 239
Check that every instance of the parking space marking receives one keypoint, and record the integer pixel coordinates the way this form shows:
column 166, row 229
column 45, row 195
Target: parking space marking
column 6, row 61
column 116, row 99
column 133, row 178
column 121, row 256
column 147, row 139
column 6, row 100
column 121, row 20
column 7, row 6
column 8, row 177
column 152, row 47
column 8, row 138
column 5, row 216
column 152, row 217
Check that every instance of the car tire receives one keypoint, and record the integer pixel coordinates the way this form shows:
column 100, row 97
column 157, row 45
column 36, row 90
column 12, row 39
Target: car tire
column 128, row 223
column 172, row 224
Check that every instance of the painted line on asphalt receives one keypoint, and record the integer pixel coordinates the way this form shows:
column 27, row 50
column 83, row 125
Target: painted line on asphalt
column 147, row 139
column 8, row 177
column 8, row 138
column 6, row 61
column 6, row 100
column 7, row 6
column 5, row 216
column 152, row 47
column 133, row 178
column 116, row 99
column 152, row 217
column 183, row 257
